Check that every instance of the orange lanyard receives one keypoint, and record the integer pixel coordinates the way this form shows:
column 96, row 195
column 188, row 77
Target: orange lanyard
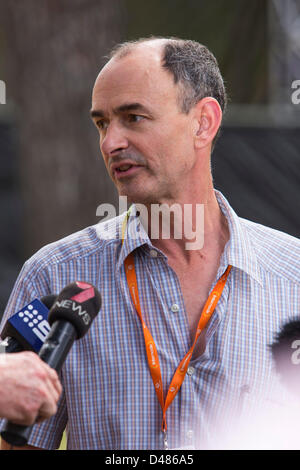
column 152, row 355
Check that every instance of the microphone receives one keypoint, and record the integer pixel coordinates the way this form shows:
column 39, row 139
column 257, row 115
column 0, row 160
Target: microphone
column 27, row 329
column 286, row 355
column 70, row 318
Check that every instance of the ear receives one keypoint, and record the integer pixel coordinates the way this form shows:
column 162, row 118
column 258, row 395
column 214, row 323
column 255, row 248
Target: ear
column 207, row 120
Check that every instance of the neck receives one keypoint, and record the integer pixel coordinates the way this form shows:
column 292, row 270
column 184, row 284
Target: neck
column 187, row 229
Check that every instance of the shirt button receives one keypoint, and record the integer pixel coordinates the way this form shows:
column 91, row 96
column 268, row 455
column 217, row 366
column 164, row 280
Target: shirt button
column 153, row 253
column 175, row 308
column 190, row 434
column 190, row 370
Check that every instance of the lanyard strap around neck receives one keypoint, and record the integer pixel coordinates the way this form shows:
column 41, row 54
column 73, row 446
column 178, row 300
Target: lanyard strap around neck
column 152, row 355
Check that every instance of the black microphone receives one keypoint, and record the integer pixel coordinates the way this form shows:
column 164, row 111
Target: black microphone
column 286, row 355
column 27, row 329
column 70, row 318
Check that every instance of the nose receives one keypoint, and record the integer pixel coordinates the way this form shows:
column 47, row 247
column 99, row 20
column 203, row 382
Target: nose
column 114, row 140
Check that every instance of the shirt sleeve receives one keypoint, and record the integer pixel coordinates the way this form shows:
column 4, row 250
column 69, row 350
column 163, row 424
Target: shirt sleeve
column 31, row 285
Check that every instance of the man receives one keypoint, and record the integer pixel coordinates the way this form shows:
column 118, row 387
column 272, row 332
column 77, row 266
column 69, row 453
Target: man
column 29, row 388
column 180, row 346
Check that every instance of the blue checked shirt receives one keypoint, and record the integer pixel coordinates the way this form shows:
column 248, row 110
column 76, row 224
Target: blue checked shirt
column 109, row 400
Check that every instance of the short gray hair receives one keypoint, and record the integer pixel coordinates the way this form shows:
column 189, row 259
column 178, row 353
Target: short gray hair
column 192, row 65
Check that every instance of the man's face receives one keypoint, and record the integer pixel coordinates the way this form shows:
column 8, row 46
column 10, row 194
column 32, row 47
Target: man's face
column 145, row 140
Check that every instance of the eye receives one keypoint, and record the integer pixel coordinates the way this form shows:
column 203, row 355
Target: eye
column 101, row 124
column 135, row 117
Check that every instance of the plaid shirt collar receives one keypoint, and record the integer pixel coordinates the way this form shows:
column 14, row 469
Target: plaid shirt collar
column 239, row 251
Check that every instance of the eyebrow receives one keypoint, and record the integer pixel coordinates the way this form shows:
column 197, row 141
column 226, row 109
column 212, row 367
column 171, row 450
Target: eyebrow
column 121, row 109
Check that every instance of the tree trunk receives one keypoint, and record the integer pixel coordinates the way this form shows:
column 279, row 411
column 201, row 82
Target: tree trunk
column 53, row 53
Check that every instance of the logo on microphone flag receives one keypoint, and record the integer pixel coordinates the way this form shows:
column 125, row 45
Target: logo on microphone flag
column 32, row 323
column 87, row 293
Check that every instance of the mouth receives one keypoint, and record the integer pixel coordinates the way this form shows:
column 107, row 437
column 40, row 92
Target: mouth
column 122, row 170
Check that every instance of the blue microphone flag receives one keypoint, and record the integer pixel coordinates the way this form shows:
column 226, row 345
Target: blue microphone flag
column 32, row 324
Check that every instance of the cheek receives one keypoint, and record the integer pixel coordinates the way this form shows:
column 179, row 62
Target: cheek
column 173, row 150
column 101, row 151
column 100, row 143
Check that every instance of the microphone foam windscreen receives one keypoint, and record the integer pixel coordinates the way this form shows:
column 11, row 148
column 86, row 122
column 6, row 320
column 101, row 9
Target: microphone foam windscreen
column 48, row 300
column 78, row 303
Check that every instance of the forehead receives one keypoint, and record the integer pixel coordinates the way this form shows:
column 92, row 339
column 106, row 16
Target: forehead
column 137, row 77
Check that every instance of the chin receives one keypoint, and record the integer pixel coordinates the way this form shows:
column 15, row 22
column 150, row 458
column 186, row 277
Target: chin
column 138, row 197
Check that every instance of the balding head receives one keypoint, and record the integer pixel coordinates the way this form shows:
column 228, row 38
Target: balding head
column 192, row 65
column 145, row 45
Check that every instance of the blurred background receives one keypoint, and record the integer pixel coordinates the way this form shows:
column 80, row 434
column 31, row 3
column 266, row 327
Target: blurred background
column 51, row 172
